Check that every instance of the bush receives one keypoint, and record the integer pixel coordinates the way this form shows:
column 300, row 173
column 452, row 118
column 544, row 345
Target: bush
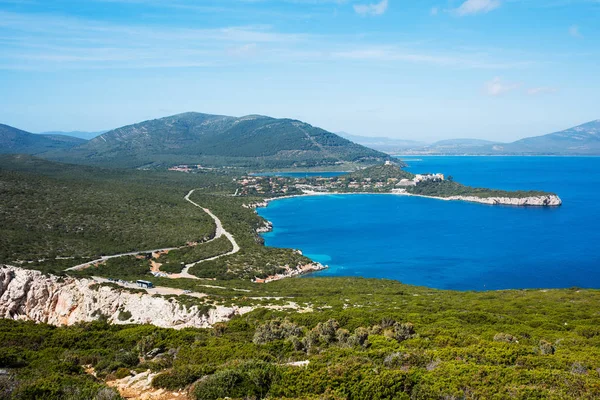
column 403, row 332
column 250, row 380
column 181, row 377
column 276, row 330
column 122, row 373
column 124, row 315
column 546, row 348
column 505, row 337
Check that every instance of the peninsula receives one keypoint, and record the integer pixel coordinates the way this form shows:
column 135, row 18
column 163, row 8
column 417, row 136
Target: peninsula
column 392, row 179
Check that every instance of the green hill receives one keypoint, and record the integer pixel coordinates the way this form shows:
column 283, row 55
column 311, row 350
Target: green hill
column 383, row 172
column 13, row 140
column 215, row 140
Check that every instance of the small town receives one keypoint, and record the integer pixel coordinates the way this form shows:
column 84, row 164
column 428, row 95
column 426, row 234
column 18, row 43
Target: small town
column 254, row 185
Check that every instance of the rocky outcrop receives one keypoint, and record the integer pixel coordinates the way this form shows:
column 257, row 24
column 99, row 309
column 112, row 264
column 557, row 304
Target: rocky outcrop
column 266, row 227
column 533, row 201
column 31, row 295
column 290, row 272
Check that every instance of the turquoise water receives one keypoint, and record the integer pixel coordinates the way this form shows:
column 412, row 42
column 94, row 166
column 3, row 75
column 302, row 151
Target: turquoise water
column 457, row 245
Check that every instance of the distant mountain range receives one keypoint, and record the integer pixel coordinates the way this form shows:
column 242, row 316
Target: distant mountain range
column 195, row 138
column 580, row 140
column 13, row 140
column 384, row 144
column 263, row 142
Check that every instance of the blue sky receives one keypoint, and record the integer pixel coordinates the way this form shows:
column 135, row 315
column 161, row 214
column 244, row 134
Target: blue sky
column 423, row 70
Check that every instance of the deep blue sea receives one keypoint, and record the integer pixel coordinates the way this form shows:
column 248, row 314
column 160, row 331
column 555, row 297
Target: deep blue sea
column 452, row 244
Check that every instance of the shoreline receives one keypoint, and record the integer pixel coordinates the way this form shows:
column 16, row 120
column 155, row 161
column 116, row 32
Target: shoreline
column 469, row 199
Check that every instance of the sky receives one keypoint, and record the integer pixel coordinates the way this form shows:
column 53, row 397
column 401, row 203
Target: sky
column 421, row 70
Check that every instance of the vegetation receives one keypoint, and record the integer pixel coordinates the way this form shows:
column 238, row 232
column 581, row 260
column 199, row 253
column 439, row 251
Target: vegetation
column 175, row 260
column 449, row 188
column 13, row 140
column 128, row 268
column 379, row 339
column 381, row 173
column 254, row 262
column 51, row 210
column 362, row 338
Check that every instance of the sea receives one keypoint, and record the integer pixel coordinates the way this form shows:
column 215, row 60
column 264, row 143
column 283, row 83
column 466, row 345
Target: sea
column 453, row 244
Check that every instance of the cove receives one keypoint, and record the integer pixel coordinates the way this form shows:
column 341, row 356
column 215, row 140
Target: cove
column 456, row 245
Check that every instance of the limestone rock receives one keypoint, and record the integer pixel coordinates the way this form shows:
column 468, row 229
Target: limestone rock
column 31, row 295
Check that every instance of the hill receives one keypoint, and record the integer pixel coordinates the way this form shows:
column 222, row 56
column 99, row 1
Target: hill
column 13, row 140
column 583, row 139
column 216, row 140
column 382, row 172
column 580, row 140
column 76, row 134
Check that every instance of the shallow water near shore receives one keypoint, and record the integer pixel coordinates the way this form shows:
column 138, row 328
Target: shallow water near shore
column 451, row 244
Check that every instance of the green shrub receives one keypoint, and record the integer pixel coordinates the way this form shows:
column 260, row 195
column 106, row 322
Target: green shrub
column 122, row 373
column 250, row 380
column 179, row 378
column 124, row 315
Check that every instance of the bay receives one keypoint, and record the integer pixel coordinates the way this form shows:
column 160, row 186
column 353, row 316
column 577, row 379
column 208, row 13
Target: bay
column 452, row 244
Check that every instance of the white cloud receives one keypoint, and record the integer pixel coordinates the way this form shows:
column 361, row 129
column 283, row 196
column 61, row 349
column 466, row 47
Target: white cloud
column 497, row 87
column 574, row 31
column 434, row 10
column 460, row 59
column 371, row 9
column 49, row 42
column 541, row 90
column 472, row 7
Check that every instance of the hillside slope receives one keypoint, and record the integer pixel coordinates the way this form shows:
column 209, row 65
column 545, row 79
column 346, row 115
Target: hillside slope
column 216, row 140
column 13, row 140
column 582, row 139
column 75, row 134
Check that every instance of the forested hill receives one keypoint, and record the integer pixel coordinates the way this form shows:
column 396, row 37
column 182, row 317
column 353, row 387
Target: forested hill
column 215, row 140
column 385, row 171
column 13, row 140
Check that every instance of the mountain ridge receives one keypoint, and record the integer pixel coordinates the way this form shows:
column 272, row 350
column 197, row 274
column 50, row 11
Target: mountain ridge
column 218, row 140
column 583, row 139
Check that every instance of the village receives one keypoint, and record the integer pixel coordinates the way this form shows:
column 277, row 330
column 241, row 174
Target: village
column 254, row 185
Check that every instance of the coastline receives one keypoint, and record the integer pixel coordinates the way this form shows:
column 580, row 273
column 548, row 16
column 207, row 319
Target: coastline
column 507, row 201
column 550, row 200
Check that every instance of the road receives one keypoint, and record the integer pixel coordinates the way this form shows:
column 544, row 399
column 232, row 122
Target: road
column 161, row 290
column 220, row 231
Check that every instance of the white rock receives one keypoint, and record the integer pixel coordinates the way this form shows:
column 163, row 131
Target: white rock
column 537, row 201
column 31, row 295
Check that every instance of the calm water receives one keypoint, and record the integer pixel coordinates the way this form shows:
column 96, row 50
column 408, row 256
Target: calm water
column 457, row 245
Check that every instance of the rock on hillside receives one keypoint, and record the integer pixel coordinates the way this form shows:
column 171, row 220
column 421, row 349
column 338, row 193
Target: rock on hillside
column 30, row 295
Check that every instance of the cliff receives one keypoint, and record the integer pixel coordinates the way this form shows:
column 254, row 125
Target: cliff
column 30, row 295
column 534, row 201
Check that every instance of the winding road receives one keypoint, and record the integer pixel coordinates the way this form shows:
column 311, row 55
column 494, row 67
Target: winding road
column 220, row 231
